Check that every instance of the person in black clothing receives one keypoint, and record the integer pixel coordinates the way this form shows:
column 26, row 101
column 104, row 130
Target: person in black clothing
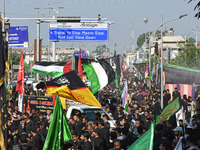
column 23, row 143
column 156, row 107
column 87, row 144
column 165, row 99
column 37, row 143
column 168, row 96
column 175, row 94
column 67, row 145
column 118, row 113
column 106, row 123
column 104, row 132
column 98, row 143
column 43, row 120
column 78, row 124
column 126, row 142
column 34, row 117
column 28, row 123
column 16, row 117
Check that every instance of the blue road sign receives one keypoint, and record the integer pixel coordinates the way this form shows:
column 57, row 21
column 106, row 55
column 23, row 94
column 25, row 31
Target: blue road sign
column 70, row 34
column 18, row 36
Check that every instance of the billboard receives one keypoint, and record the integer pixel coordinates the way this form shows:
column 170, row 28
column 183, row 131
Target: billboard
column 18, row 36
column 81, row 31
column 84, row 54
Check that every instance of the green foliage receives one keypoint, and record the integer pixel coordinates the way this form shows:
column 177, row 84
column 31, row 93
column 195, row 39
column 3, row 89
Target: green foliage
column 141, row 40
column 15, row 58
column 100, row 49
column 189, row 57
column 64, row 58
column 190, row 40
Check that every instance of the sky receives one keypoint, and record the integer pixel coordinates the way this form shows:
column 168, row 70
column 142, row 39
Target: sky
column 127, row 16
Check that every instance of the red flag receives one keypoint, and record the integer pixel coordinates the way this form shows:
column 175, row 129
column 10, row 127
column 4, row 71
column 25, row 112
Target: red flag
column 80, row 69
column 54, row 100
column 67, row 67
column 124, row 66
column 20, row 77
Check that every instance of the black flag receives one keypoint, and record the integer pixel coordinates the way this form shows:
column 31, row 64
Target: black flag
column 115, row 63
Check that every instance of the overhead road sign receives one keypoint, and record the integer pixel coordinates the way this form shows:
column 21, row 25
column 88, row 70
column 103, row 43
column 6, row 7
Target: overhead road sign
column 18, row 36
column 80, row 31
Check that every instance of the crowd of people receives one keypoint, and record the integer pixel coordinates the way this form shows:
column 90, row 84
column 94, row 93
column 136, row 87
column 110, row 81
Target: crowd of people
column 28, row 131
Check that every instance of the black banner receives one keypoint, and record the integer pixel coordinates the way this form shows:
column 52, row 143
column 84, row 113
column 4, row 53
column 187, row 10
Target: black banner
column 4, row 114
column 39, row 103
column 181, row 75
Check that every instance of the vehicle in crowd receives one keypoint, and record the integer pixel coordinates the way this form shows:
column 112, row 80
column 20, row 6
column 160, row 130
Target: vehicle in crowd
column 90, row 112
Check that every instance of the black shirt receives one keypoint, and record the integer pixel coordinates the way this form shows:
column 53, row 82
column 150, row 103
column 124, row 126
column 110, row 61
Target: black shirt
column 99, row 144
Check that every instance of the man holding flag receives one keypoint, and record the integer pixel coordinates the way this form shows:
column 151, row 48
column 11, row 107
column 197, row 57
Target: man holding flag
column 59, row 131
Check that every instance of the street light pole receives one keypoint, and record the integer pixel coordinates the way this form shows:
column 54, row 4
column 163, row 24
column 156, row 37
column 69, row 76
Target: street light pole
column 162, row 52
column 161, row 62
column 38, row 46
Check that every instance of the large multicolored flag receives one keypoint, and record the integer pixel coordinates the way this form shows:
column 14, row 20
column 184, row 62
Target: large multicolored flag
column 145, row 142
column 53, row 69
column 59, row 130
column 125, row 96
column 72, row 87
column 20, row 77
column 99, row 73
column 169, row 110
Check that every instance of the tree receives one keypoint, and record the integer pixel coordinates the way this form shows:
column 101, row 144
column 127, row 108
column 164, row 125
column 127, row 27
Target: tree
column 190, row 40
column 15, row 58
column 100, row 49
column 197, row 7
column 189, row 56
column 64, row 58
column 141, row 38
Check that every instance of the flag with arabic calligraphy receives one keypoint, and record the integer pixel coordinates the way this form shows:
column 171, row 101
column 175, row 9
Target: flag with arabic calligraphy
column 72, row 87
column 59, row 130
column 169, row 110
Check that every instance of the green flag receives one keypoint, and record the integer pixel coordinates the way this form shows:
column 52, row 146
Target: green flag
column 145, row 142
column 59, row 130
column 169, row 110
column 116, row 79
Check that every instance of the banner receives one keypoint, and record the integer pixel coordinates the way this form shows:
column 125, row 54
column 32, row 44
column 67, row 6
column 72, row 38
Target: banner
column 169, row 110
column 39, row 103
column 180, row 75
column 141, row 68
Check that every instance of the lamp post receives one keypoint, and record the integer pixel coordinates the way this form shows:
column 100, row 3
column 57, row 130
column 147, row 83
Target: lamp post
column 41, row 12
column 152, row 35
column 162, row 52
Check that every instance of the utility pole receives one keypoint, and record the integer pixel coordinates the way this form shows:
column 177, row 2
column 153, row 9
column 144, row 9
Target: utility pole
column 49, row 15
column 196, row 32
